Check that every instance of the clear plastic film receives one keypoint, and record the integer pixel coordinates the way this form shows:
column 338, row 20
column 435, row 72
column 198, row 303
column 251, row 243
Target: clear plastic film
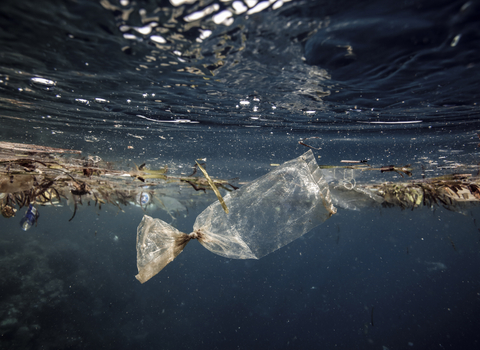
column 269, row 213
column 348, row 189
column 264, row 216
column 158, row 243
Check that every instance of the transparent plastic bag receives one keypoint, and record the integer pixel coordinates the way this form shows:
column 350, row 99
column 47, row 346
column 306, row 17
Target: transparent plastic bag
column 264, row 216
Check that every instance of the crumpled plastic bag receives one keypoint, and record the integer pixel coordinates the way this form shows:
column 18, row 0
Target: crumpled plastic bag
column 264, row 216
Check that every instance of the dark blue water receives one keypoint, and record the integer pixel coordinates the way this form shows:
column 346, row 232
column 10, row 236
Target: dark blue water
column 142, row 81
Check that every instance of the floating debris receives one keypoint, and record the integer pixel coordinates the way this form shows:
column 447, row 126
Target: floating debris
column 39, row 175
column 214, row 188
column 265, row 215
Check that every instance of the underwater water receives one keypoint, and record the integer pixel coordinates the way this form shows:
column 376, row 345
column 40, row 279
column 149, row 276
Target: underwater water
column 242, row 83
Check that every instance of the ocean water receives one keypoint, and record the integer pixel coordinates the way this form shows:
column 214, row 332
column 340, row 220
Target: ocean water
column 241, row 83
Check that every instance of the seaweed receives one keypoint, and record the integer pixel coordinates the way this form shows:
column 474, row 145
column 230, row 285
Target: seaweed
column 39, row 175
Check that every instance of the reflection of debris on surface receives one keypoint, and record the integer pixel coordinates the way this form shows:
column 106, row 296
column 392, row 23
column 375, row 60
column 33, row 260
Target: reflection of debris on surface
column 34, row 149
column 38, row 175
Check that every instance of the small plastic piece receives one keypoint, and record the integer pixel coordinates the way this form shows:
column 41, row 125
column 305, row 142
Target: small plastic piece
column 142, row 199
column 29, row 219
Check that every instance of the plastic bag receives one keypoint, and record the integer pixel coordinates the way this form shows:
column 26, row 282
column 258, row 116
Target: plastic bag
column 264, row 216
